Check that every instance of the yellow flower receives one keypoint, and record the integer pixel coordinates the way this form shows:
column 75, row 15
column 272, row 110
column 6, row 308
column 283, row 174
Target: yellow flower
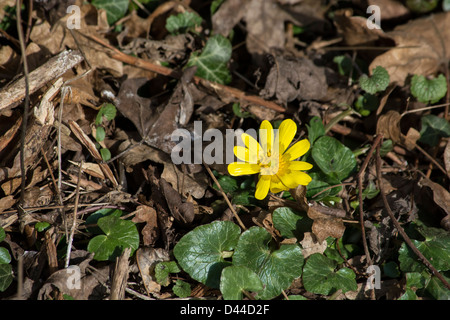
column 272, row 159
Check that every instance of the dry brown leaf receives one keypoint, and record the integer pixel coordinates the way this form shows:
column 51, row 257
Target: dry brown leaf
column 389, row 126
column 355, row 31
column 411, row 138
column 194, row 184
column 295, row 78
column 55, row 38
column 326, row 225
column 447, row 157
column 311, row 245
column 440, row 195
column 392, row 9
column 150, row 231
column 421, row 48
column 87, row 142
column 183, row 212
column 264, row 23
column 7, row 203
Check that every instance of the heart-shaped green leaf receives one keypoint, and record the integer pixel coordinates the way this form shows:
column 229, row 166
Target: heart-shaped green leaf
column 379, row 81
column 235, row 280
column 212, row 62
column 119, row 234
column 182, row 289
column 428, row 90
column 290, row 223
column 276, row 268
column 202, row 251
column 93, row 219
column 162, row 271
column 319, row 276
column 316, row 129
column 333, row 158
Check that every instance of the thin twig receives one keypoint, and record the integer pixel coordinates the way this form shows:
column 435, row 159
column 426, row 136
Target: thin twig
column 360, row 199
column 225, row 197
column 400, row 228
column 74, row 222
column 25, row 114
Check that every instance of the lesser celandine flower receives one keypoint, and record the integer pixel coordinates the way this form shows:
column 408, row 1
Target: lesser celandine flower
column 272, row 159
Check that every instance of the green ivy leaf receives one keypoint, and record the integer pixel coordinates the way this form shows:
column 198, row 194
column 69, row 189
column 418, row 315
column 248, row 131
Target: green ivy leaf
column 319, row 276
column 235, row 279
column 433, row 128
column 276, row 268
column 333, row 158
column 115, row 9
column 2, row 234
column 162, row 271
column 290, row 223
column 182, row 289
column 202, row 251
column 5, row 276
column 436, row 251
column 379, row 80
column 316, row 129
column 182, row 22
column 428, row 90
column 212, row 62
column 5, row 257
column 119, row 234
column 437, row 290
column 408, row 295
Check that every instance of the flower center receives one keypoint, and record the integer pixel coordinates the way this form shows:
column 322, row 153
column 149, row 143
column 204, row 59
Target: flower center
column 272, row 165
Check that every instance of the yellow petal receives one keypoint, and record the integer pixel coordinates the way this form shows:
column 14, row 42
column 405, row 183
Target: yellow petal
column 286, row 131
column 298, row 149
column 239, row 168
column 242, row 153
column 288, row 180
column 262, row 188
column 299, row 165
column 300, row 178
column 251, row 143
column 276, row 185
column 266, row 136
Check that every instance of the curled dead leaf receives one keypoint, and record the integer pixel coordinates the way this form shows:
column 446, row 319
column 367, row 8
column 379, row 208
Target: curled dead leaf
column 327, row 222
column 311, row 245
column 150, row 231
column 389, row 126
